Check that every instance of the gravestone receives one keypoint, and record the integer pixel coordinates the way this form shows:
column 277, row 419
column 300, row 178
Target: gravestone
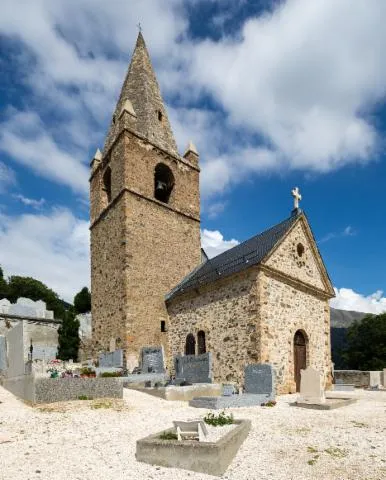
column 311, row 387
column 194, row 368
column 152, row 360
column 228, row 390
column 15, row 350
column 3, row 354
column 44, row 352
column 259, row 379
column 111, row 359
column 384, row 377
column 375, row 378
column 112, row 346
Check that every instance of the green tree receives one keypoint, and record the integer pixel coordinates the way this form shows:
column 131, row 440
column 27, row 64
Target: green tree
column 82, row 301
column 69, row 336
column 366, row 343
column 3, row 285
column 35, row 290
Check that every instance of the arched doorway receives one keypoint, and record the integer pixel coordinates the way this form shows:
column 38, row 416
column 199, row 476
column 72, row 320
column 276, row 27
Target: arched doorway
column 201, row 343
column 300, row 356
column 190, row 345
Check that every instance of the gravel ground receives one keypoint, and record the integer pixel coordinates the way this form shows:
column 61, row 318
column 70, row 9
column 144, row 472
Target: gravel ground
column 94, row 440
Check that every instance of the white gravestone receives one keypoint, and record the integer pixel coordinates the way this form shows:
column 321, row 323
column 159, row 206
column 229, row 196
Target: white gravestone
column 384, row 377
column 311, row 387
column 375, row 378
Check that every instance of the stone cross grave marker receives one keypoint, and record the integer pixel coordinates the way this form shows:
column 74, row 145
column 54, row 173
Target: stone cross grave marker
column 259, row 378
column 194, row 368
column 311, row 387
column 152, row 360
column 111, row 359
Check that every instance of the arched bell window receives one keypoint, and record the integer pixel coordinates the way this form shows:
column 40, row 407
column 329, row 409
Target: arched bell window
column 107, row 184
column 163, row 183
column 201, row 344
column 190, row 345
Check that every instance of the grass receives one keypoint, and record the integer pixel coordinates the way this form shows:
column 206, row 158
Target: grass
column 359, row 424
column 102, row 404
column 218, row 420
column 312, row 450
column 84, row 397
column 336, row 452
column 168, row 436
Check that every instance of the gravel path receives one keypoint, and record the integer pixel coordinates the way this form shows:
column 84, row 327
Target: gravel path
column 85, row 441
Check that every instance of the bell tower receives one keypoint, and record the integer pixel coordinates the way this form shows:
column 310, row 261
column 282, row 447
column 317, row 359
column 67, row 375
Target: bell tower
column 145, row 216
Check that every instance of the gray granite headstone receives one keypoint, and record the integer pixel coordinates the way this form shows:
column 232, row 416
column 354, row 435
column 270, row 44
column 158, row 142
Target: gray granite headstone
column 152, row 360
column 194, row 368
column 259, row 378
column 111, row 359
column 3, row 354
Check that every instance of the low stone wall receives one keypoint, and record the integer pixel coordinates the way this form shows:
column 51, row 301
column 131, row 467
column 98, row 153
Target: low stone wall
column 359, row 378
column 49, row 390
column 184, row 393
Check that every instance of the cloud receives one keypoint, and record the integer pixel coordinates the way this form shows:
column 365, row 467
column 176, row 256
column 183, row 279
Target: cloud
column 213, row 210
column 53, row 248
column 213, row 242
column 346, row 232
column 347, row 299
column 7, row 177
column 30, row 202
column 23, row 138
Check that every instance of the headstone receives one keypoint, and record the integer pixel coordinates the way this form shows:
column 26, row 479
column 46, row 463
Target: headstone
column 311, row 387
column 375, row 378
column 4, row 305
column 259, row 378
column 384, row 377
column 15, row 351
column 3, row 354
column 112, row 359
column 194, row 368
column 152, row 360
column 112, row 345
column 44, row 352
column 228, row 390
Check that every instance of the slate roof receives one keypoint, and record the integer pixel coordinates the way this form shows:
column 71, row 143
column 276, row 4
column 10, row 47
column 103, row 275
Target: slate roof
column 242, row 256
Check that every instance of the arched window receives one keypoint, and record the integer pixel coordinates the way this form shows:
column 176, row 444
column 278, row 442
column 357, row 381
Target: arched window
column 201, row 345
column 163, row 182
column 190, row 345
column 107, row 184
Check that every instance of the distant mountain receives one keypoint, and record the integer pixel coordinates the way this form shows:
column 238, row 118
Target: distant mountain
column 340, row 321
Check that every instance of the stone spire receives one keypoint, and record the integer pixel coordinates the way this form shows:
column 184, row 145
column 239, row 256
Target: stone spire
column 141, row 91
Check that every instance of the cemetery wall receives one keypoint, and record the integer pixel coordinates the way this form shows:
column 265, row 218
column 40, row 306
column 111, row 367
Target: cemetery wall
column 48, row 390
column 284, row 310
column 227, row 312
column 359, row 378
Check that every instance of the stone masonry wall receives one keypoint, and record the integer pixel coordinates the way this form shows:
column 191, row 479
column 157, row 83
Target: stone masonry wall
column 287, row 260
column 284, row 310
column 227, row 312
column 140, row 247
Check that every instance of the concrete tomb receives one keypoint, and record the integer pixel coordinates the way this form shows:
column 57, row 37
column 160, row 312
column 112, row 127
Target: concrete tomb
column 194, row 368
column 259, row 390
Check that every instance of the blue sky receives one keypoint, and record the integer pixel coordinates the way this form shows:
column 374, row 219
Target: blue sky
column 273, row 94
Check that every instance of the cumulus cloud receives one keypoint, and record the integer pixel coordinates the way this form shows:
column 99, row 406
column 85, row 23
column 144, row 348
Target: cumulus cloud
column 292, row 88
column 53, row 248
column 348, row 299
column 213, row 242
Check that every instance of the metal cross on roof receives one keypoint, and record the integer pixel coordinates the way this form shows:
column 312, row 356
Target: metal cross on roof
column 139, row 26
column 296, row 194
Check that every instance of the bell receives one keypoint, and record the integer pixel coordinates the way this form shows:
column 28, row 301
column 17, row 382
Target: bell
column 161, row 186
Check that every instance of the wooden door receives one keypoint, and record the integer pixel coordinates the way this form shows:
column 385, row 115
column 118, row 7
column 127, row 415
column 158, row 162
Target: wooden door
column 300, row 357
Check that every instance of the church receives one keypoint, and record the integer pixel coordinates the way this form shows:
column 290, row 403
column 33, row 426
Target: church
column 265, row 300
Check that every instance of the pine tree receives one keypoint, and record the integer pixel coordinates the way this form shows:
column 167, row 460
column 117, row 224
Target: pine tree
column 82, row 301
column 69, row 337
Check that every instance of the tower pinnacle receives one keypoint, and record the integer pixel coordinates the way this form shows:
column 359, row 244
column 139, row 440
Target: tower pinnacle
column 141, row 89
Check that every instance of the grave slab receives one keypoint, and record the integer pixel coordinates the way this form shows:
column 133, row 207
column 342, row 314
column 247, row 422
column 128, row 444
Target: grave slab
column 234, row 401
column 330, row 403
column 194, row 368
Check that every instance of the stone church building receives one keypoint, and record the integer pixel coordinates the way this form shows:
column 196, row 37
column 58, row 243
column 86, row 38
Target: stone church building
column 265, row 300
